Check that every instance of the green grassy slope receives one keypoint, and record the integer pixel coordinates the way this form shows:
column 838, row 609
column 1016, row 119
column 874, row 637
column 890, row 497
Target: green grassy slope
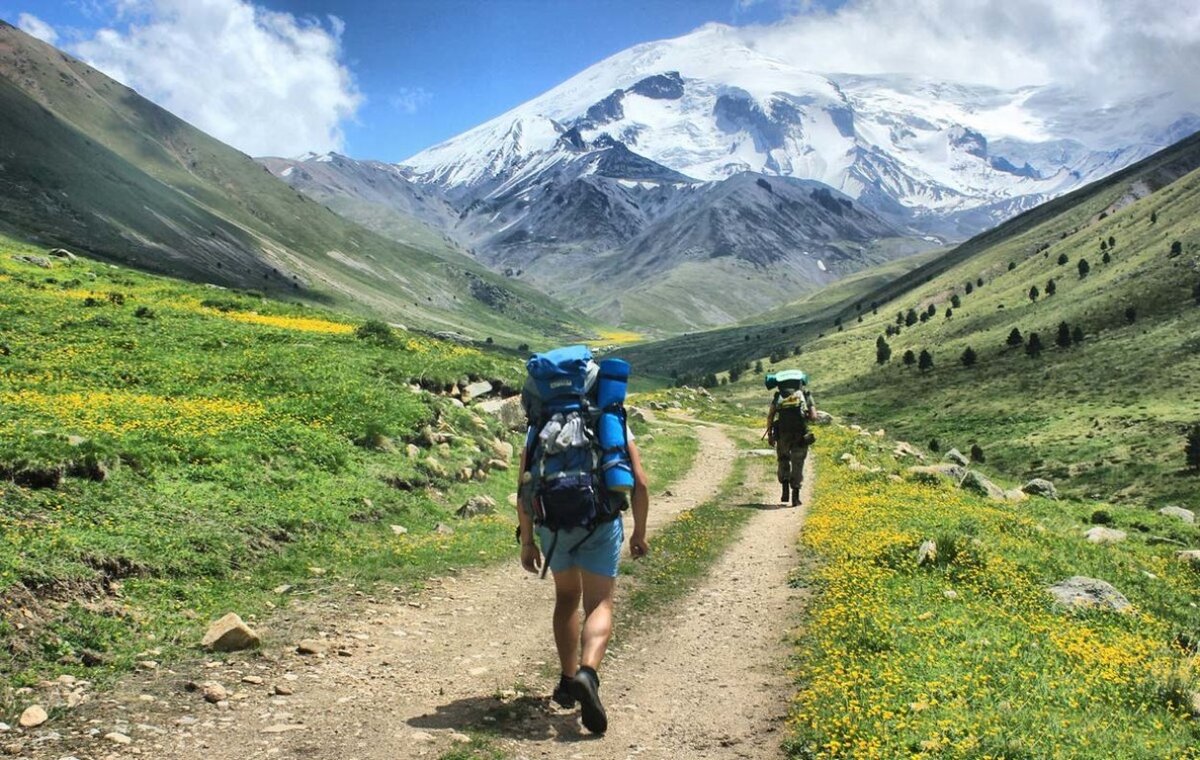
column 1102, row 417
column 778, row 330
column 90, row 165
column 715, row 350
column 170, row 452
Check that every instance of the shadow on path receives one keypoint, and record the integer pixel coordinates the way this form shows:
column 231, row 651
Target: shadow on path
column 525, row 718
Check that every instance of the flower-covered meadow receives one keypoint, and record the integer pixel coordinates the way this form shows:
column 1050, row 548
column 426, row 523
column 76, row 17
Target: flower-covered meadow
column 968, row 656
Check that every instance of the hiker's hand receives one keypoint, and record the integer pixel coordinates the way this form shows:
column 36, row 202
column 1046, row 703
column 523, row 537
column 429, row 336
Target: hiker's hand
column 638, row 546
column 770, row 440
column 531, row 558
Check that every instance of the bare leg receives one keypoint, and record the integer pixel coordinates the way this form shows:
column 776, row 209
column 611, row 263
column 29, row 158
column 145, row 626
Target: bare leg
column 597, row 621
column 567, row 593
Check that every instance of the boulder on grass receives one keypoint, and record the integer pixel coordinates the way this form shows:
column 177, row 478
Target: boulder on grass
column 937, row 473
column 476, row 506
column 956, row 456
column 1102, row 535
column 1179, row 513
column 1080, row 592
column 1040, row 487
column 976, row 482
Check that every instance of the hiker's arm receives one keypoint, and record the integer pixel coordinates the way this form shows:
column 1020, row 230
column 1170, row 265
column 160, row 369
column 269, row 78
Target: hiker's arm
column 640, row 502
column 770, row 422
column 531, row 556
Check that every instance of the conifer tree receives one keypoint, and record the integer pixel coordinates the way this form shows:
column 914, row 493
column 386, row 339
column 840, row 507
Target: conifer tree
column 1033, row 345
column 1063, row 339
column 1033, row 293
column 909, row 358
column 1077, row 335
column 955, row 301
column 968, row 357
column 1051, row 287
column 1191, row 448
column 1130, row 314
column 1062, row 259
column 925, row 363
column 883, row 351
column 1015, row 338
column 1084, row 268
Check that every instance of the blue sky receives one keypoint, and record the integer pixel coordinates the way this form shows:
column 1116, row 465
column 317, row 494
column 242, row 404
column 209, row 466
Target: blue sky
column 425, row 70
column 384, row 80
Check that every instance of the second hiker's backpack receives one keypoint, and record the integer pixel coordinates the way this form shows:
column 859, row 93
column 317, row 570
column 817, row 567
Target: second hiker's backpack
column 571, row 480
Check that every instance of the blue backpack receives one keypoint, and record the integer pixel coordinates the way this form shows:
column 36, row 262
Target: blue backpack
column 577, row 470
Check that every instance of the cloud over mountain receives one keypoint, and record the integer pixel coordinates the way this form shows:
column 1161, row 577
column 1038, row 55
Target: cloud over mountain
column 262, row 81
column 1110, row 49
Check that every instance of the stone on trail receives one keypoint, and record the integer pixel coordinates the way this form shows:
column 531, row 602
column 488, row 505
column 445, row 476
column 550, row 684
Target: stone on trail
column 116, row 737
column 1082, row 592
column 1040, row 487
column 311, row 646
column 477, row 505
column 956, row 456
column 229, row 634
column 1103, row 535
column 760, row 453
column 1179, row 513
column 283, row 690
column 34, row 716
column 978, row 483
column 213, row 692
column 282, row 728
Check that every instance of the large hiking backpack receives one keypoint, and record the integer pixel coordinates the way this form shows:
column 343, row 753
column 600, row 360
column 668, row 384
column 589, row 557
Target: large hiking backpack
column 791, row 403
column 577, row 472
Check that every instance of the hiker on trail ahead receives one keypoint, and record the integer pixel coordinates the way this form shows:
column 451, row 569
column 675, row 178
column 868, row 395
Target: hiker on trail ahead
column 788, row 419
column 579, row 471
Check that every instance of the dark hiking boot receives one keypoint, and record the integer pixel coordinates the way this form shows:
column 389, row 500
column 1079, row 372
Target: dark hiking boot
column 783, row 496
column 562, row 693
column 796, row 496
column 585, row 687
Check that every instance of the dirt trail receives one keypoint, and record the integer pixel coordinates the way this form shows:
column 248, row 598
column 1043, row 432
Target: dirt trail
column 475, row 651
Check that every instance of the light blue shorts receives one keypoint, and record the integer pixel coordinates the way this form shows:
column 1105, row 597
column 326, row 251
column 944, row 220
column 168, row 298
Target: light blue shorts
column 600, row 554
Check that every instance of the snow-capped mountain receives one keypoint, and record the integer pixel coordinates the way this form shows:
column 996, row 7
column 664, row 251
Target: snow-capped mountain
column 702, row 154
column 709, row 105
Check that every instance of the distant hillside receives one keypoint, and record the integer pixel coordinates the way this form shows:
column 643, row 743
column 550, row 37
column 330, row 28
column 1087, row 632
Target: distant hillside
column 1109, row 280
column 90, row 165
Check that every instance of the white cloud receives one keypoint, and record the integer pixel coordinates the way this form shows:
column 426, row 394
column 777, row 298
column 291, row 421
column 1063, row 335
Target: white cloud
column 267, row 83
column 410, row 99
column 34, row 26
column 1109, row 48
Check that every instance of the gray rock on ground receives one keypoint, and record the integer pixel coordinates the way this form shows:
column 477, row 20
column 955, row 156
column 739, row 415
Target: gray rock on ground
column 957, row 457
column 935, row 473
column 1081, row 592
column 1102, row 535
column 927, row 552
column 476, row 506
column 978, row 483
column 1179, row 513
column 1040, row 487
column 475, row 390
column 229, row 634
column 508, row 411
column 906, row 449
column 1189, row 555
column 33, row 716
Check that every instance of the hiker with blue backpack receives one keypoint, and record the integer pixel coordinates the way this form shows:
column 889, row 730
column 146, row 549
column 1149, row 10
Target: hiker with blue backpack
column 788, row 419
column 580, row 470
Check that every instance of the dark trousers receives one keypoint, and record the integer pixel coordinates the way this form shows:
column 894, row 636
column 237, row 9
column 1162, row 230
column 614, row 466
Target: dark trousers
column 790, row 453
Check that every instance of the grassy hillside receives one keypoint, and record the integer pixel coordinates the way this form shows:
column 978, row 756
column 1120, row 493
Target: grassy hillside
column 92, row 166
column 1103, row 415
column 967, row 656
column 781, row 329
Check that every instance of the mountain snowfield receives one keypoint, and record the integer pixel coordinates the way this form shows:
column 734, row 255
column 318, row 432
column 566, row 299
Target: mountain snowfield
column 709, row 105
